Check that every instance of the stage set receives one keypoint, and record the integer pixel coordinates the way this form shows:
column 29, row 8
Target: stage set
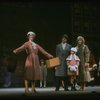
column 49, row 20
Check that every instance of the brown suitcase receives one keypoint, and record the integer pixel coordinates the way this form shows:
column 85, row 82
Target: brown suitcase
column 54, row 62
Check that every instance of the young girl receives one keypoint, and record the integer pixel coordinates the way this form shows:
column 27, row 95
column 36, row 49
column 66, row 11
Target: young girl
column 73, row 63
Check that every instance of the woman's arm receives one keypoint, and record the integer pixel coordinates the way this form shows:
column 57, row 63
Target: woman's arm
column 21, row 48
column 87, row 54
column 44, row 52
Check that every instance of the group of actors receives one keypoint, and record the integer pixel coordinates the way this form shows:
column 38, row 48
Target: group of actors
column 74, row 65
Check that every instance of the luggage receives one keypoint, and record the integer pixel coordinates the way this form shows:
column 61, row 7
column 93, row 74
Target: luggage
column 54, row 62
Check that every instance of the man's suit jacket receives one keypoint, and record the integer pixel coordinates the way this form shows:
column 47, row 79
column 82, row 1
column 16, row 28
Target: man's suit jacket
column 61, row 70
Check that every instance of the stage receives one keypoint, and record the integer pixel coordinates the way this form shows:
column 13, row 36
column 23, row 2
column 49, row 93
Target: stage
column 49, row 92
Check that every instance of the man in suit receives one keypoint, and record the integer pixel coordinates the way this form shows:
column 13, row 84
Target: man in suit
column 62, row 51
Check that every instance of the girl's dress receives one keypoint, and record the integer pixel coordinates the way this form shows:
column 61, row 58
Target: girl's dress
column 72, row 68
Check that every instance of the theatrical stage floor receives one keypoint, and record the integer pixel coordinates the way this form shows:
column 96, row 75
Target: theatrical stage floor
column 49, row 92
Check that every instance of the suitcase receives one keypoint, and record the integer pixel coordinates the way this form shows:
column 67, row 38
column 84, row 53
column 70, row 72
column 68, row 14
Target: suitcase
column 54, row 62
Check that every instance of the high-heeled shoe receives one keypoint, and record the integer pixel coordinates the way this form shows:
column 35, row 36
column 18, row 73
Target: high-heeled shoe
column 33, row 91
column 81, row 89
column 26, row 92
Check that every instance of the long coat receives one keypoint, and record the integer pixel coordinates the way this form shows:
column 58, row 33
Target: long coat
column 32, row 65
column 83, row 53
column 61, row 70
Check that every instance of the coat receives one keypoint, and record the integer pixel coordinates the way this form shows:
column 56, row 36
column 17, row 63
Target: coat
column 61, row 70
column 73, row 61
column 32, row 65
column 83, row 53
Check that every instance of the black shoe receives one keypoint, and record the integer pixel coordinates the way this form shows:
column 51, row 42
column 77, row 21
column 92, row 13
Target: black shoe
column 73, row 89
column 66, row 89
column 56, row 89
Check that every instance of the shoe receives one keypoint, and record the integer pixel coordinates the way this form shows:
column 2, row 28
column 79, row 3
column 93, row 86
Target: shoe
column 33, row 91
column 40, row 85
column 81, row 89
column 26, row 92
column 7, row 85
column 75, row 89
column 56, row 89
column 66, row 89
column 44, row 86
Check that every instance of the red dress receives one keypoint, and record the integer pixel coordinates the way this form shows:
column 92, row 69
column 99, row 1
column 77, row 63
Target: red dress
column 32, row 65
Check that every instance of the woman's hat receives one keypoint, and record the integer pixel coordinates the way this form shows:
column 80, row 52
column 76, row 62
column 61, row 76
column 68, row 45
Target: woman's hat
column 81, row 38
column 30, row 33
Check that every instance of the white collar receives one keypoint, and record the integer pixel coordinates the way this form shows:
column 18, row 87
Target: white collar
column 33, row 43
column 75, row 57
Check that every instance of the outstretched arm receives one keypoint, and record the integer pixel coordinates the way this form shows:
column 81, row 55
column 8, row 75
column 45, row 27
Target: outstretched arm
column 21, row 48
column 44, row 52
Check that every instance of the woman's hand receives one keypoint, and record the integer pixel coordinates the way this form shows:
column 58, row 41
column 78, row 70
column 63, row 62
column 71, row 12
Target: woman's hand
column 14, row 51
column 86, row 64
column 51, row 56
